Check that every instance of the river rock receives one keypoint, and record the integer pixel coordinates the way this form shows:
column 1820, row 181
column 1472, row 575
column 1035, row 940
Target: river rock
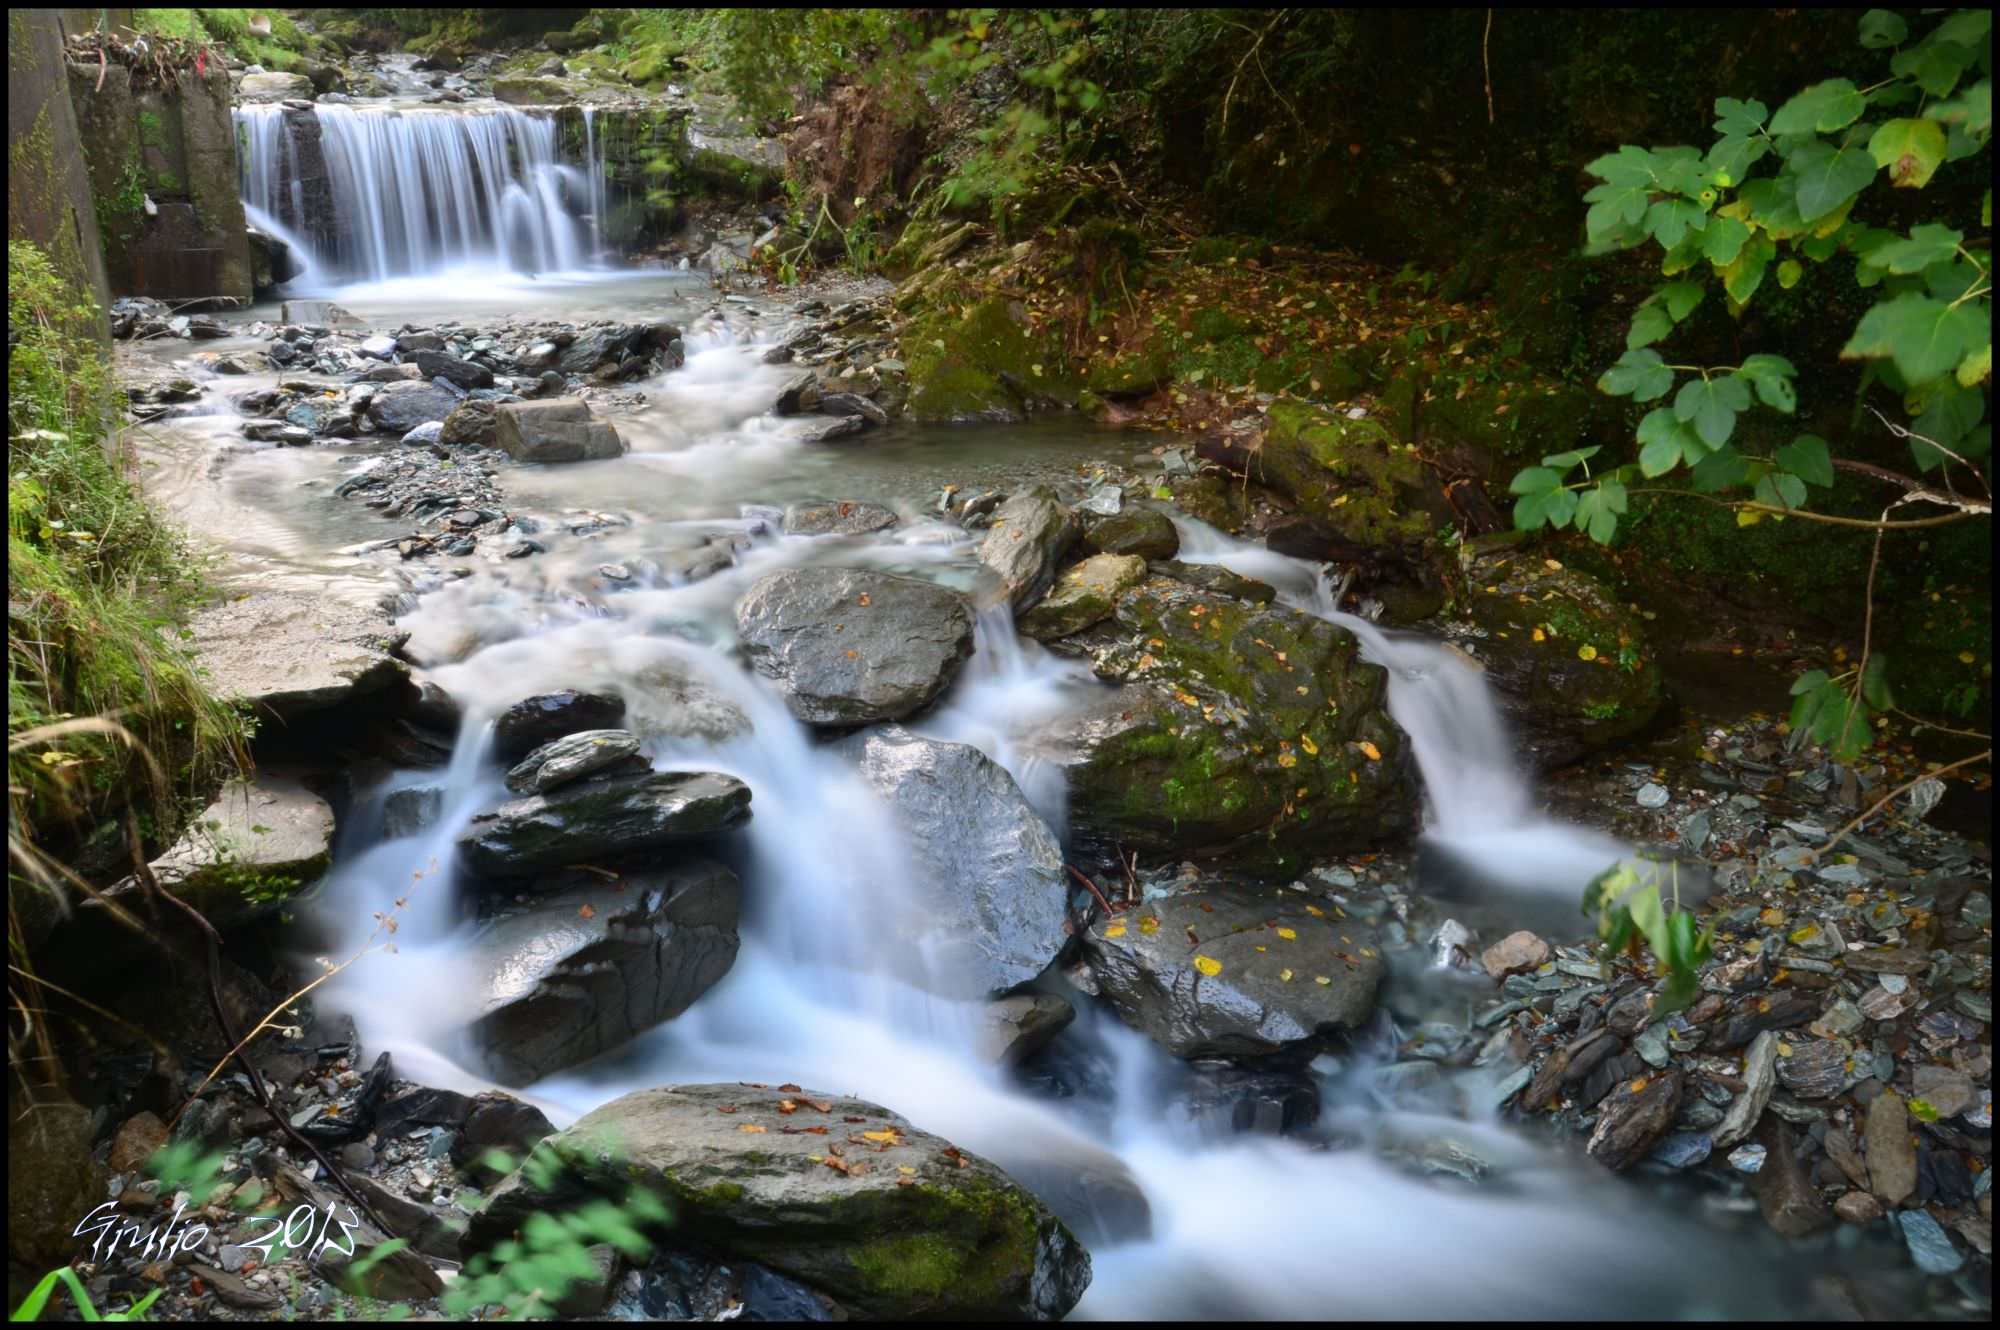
column 1513, row 954
column 853, row 404
column 1815, row 1068
column 1029, row 536
column 573, row 757
column 1213, row 974
column 954, row 1238
column 287, row 653
column 1891, row 1150
column 1083, row 595
column 1760, row 1077
column 612, row 344
column 1946, row 1089
column 1146, row 532
column 991, row 902
column 257, row 89
column 589, row 967
column 554, row 431
column 1013, row 1029
column 411, row 810
column 545, row 717
column 846, row 518
column 800, row 393
column 464, row 373
column 530, row 91
column 1252, row 733
column 398, row 408
column 52, row 1180
column 1784, row 1191
column 422, row 340
column 260, row 841
column 1634, row 1118
column 601, row 816
column 850, row 646
column 498, row 1121
column 1569, row 665
column 475, row 422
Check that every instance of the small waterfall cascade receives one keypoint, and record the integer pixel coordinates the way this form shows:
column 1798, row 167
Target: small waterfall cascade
column 396, row 191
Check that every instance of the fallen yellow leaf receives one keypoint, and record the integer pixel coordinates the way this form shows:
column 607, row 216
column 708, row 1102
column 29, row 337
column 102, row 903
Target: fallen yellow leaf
column 1374, row 753
column 1586, row 652
column 1287, row 934
column 752, row 1128
column 1208, row 965
column 1305, row 742
column 1116, row 930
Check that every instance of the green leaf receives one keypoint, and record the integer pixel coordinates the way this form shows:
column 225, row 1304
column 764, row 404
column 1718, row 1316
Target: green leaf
column 1730, row 160
column 1564, row 461
column 1640, row 374
column 1824, row 107
column 1789, row 273
column 1935, row 66
column 1781, row 490
column 1772, row 376
column 1828, row 177
column 1922, row 337
column 1742, row 277
column 1808, row 681
column 1875, row 683
column 1971, row 110
column 1665, row 442
column 1681, row 298
column 1597, row 510
column 1911, row 149
column 1628, row 166
column 1965, row 28
column 1650, row 916
column 1670, row 219
column 1976, row 368
column 1650, row 323
column 1807, row 458
column 1710, row 405
column 1551, row 506
column 1927, row 244
column 1722, row 469
column 1950, row 411
column 1534, row 479
column 1723, row 240
column 1734, row 117
column 1881, row 29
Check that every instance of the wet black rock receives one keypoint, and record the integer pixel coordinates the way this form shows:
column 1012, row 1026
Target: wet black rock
column 600, row 816
column 464, row 373
column 573, row 757
column 588, row 968
column 534, row 721
column 399, row 408
column 1635, row 1117
column 850, row 646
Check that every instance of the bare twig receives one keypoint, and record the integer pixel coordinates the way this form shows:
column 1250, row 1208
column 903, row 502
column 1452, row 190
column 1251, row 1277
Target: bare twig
column 1223, row 133
column 1889, row 798
column 1093, row 888
column 1486, row 59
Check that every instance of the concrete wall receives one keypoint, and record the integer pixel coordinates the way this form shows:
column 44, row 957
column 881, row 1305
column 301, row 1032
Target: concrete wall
column 48, row 191
column 176, row 146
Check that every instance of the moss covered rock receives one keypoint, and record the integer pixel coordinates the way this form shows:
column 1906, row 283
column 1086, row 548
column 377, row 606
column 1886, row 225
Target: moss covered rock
column 1568, row 664
column 900, row 1225
column 1494, row 428
column 1146, row 532
column 1083, row 595
column 1351, row 477
column 1250, row 733
column 986, row 362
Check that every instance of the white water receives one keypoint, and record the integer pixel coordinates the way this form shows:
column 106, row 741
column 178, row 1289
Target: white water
column 423, row 191
column 1241, row 1227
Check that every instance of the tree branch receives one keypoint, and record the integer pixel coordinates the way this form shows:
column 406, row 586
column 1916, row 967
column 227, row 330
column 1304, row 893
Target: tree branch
column 1890, row 797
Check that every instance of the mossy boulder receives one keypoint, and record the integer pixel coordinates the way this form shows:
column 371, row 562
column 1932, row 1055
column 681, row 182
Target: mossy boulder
column 1350, row 476
column 530, row 92
column 900, row 1224
column 1131, row 374
column 1083, row 595
column 986, row 362
column 1245, row 732
column 1146, row 532
column 1492, row 428
column 1569, row 665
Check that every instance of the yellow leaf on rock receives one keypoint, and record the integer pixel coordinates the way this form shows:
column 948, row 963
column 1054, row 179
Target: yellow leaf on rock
column 1287, row 760
column 1305, row 742
column 1321, row 980
column 1287, row 934
column 752, row 1128
column 1116, row 930
column 1586, row 652
column 1285, row 975
column 1149, row 925
column 1540, row 636
column 885, row 1137
column 1208, row 965
column 1374, row 753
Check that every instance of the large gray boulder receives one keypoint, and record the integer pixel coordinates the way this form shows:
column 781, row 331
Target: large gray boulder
column 991, row 911
column 287, row 653
column 273, row 87
column 601, row 817
column 1214, row 974
column 398, row 408
column 1029, row 535
column 441, row 365
column 555, row 431
column 593, row 963
column 850, row 646
column 845, row 518
column 952, row 1238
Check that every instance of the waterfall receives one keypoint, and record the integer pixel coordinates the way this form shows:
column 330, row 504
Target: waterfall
column 396, row 192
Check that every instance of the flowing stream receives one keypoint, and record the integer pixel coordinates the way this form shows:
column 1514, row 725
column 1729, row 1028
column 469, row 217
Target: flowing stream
column 1320, row 1223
